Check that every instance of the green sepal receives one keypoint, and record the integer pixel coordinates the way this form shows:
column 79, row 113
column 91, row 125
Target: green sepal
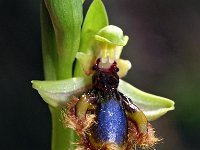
column 153, row 106
column 96, row 18
column 58, row 93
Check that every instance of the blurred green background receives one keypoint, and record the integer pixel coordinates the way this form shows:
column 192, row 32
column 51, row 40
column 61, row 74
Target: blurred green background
column 164, row 49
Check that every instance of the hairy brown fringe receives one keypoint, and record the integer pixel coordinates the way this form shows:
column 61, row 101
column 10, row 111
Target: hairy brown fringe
column 142, row 140
column 81, row 126
column 106, row 146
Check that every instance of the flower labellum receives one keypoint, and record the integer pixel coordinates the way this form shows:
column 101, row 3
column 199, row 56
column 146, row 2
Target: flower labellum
column 104, row 118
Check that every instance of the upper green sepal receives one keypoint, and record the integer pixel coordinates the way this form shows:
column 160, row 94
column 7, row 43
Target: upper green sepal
column 58, row 93
column 153, row 106
column 96, row 18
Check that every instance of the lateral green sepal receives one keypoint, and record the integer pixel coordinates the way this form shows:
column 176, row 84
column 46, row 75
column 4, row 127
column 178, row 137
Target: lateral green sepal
column 58, row 93
column 153, row 106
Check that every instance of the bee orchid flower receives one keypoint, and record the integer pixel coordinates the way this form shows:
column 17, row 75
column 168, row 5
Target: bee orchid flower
column 83, row 82
column 105, row 111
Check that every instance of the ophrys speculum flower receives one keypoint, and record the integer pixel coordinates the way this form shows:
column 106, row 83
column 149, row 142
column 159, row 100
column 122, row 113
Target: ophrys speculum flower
column 105, row 111
column 63, row 34
column 106, row 117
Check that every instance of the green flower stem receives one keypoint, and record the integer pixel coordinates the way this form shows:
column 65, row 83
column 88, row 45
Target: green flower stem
column 61, row 25
column 62, row 138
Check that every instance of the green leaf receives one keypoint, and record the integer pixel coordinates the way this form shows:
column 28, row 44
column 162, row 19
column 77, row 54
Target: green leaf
column 152, row 106
column 66, row 17
column 48, row 44
column 96, row 18
column 58, row 93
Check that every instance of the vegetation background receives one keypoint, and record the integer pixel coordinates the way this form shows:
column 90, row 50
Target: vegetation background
column 164, row 48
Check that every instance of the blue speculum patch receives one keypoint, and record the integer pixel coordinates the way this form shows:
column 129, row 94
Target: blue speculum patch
column 111, row 123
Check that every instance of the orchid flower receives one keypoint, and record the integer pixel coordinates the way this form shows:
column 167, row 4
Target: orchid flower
column 66, row 43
